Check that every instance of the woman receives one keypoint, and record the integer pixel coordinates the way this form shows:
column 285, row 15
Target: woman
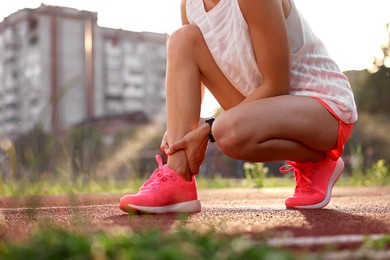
column 284, row 99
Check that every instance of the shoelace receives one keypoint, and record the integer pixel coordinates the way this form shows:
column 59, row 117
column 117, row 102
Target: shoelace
column 302, row 173
column 159, row 169
column 158, row 180
column 158, row 176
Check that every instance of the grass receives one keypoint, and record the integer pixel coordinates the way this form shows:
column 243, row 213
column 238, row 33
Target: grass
column 54, row 187
column 57, row 243
column 64, row 186
column 377, row 176
column 256, row 176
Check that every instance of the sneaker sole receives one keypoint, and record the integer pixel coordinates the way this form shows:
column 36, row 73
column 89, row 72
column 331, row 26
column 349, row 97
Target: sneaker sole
column 338, row 170
column 183, row 207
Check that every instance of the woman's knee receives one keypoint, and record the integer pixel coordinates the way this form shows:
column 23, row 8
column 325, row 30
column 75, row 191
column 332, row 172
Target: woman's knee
column 184, row 40
column 229, row 138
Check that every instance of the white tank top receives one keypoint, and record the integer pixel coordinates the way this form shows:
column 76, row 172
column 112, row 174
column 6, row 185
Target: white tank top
column 313, row 72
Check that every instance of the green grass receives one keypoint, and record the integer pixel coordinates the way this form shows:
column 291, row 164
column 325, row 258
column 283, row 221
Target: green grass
column 56, row 243
column 55, row 187
column 256, row 176
column 64, row 186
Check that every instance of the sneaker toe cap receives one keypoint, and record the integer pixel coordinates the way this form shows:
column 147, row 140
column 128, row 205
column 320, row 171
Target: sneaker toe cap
column 303, row 200
column 139, row 199
column 125, row 201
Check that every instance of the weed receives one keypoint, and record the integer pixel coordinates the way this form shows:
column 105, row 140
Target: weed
column 379, row 173
column 255, row 173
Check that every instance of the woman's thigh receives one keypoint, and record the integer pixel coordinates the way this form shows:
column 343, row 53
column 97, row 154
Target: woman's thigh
column 296, row 118
column 211, row 75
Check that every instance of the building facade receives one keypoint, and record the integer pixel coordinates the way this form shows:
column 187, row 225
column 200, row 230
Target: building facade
column 58, row 68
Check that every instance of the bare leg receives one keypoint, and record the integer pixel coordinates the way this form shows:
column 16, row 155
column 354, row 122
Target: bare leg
column 183, row 94
column 189, row 63
column 287, row 127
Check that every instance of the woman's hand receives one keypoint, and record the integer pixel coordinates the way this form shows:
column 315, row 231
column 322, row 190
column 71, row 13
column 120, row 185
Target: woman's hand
column 195, row 145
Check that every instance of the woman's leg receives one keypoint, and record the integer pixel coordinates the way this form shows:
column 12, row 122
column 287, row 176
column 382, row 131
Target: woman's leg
column 287, row 127
column 295, row 128
column 189, row 63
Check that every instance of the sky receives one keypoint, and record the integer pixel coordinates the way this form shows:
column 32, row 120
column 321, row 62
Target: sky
column 352, row 30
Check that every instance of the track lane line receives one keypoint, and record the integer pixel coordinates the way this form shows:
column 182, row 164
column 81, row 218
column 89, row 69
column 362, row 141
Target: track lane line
column 324, row 240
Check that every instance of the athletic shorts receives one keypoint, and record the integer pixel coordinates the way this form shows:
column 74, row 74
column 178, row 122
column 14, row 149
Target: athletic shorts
column 345, row 131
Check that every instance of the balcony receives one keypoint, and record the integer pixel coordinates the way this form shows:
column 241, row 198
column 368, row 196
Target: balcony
column 134, row 91
column 10, row 99
column 10, row 127
column 10, row 115
column 114, row 90
column 113, row 61
column 133, row 105
column 113, row 76
column 114, row 107
column 133, row 78
column 133, row 62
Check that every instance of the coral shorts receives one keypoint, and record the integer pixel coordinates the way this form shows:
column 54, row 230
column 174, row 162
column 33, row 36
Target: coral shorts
column 345, row 131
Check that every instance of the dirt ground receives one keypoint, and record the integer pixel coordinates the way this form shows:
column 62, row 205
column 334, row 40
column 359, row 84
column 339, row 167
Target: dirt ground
column 259, row 213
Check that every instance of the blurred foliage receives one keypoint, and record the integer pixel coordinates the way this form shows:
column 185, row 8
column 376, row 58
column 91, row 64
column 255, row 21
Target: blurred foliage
column 82, row 154
column 372, row 94
column 376, row 173
column 8, row 159
column 86, row 150
column 373, row 90
column 379, row 173
column 49, row 242
column 255, row 173
column 56, row 243
column 34, row 152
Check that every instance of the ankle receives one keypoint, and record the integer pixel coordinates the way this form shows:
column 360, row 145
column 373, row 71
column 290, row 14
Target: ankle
column 179, row 164
column 321, row 156
column 313, row 158
column 182, row 171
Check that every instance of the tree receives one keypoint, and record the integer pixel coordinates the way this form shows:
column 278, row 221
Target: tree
column 384, row 61
column 374, row 94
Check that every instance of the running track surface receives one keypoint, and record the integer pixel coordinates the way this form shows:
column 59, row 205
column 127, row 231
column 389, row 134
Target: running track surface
column 352, row 214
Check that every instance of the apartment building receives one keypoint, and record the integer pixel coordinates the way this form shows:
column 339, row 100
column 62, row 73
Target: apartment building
column 58, row 68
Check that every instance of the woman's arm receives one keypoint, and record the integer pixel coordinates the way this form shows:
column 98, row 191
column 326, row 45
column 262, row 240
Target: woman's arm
column 267, row 28
column 184, row 19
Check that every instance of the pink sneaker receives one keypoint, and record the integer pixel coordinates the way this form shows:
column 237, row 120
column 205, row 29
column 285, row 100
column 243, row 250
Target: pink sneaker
column 164, row 192
column 315, row 181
